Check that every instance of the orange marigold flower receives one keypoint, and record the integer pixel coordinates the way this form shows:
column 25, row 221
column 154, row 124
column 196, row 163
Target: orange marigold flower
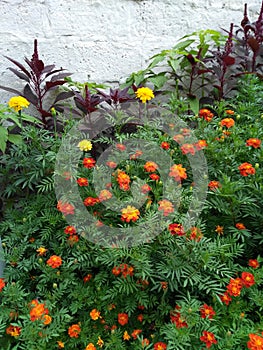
column 111, row 165
column 145, row 188
column 246, row 169
column 176, row 318
column 207, row 311
column 89, row 163
column 187, row 148
column 123, row 180
column 136, row 155
column 150, row 167
column 208, row 338
column 100, row 342
column 160, row 346
column 200, row 144
column 206, row 114
column 140, row 317
column 126, row 336
column 120, row 147
column 61, row 345
column 226, row 298
column 74, row 331
column 87, row 278
column 47, row 320
column 130, row 213
column 227, row 122
column 178, row 138
column 123, row 319
column 91, row 201
column 14, row 331
column 240, row 226
column 154, row 177
column 41, row 251
column 73, row 239
column 90, row 346
column 234, row 287
column 247, row 279
column 253, row 142
column 176, row 229
column 219, row 229
column 255, row 342
column 229, row 112
column 54, row 261
column 70, row 230
column 253, row 263
column 195, row 234
column 94, row 314
column 135, row 333
column 166, row 207
column 164, row 285
column 104, row 195
column 65, row 208
column 145, row 342
column 165, row 145
column 82, row 181
column 214, row 184
column 37, row 312
column 178, row 172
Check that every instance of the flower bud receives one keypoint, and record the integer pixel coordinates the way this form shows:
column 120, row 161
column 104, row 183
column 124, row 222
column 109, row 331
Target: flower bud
column 256, row 165
column 55, row 285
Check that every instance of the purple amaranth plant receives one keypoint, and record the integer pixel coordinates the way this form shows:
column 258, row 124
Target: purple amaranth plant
column 116, row 96
column 40, row 80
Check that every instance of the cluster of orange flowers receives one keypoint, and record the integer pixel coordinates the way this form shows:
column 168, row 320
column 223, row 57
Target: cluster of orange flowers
column 177, row 229
column 123, row 180
column 123, row 319
column 177, row 319
column 192, row 148
column 65, row 208
column 130, row 213
column 206, row 114
column 123, row 269
column 39, row 312
column 178, row 172
column 71, row 231
column 14, row 331
column 255, row 342
column 74, row 331
column 208, row 338
column 246, row 169
column 54, row 261
column 166, row 207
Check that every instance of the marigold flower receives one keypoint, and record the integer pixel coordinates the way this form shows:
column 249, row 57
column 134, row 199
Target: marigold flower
column 94, row 314
column 246, row 169
column 54, row 261
column 195, row 234
column 145, row 342
column 178, row 138
column 164, row 285
column 253, row 142
column 226, row 298
column 85, row 145
column 111, row 165
column 240, row 226
column 200, row 144
column 166, row 207
column 126, row 336
column 61, row 345
column 41, row 251
column 74, row 331
column 165, row 145
column 227, row 122
column 144, row 94
column 123, row 319
column 207, row 312
column 160, row 346
column 214, row 184
column 208, row 338
column 70, row 230
column 17, row 103
column 38, row 311
column 82, row 181
column 87, row 278
column 229, row 112
column 154, row 177
column 105, row 195
column 14, row 331
column 176, row 318
column 89, row 163
column 247, row 279
column 178, row 172
column 130, row 213
column 120, row 147
column 253, row 263
column 176, row 229
column 65, row 208
column 67, row 175
column 47, row 320
column 150, row 167
column 136, row 155
column 187, row 148
column 145, row 188
column 73, row 239
column 206, row 114
column 140, row 317
column 90, row 346
column 255, row 342
column 123, row 180
column 100, row 342
column 91, row 201
column 234, row 287
column 135, row 333
column 219, row 229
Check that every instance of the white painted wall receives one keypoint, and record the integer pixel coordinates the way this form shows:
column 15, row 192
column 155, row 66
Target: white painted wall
column 105, row 39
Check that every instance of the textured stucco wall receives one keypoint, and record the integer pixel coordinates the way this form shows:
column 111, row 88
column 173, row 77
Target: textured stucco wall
column 105, row 39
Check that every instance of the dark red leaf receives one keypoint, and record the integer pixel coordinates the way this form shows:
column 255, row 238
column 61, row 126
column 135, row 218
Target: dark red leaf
column 48, row 68
column 60, row 76
column 191, row 59
column 29, row 95
column 20, row 74
column 52, row 84
column 253, row 43
column 14, row 91
column 54, row 71
column 19, row 65
column 229, row 61
column 63, row 96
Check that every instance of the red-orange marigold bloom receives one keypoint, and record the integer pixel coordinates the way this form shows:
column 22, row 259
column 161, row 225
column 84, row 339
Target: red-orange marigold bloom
column 240, row 226
column 176, row 318
column 105, row 195
column 219, row 229
column 154, row 177
column 89, row 163
column 166, row 207
column 140, row 317
column 91, row 201
column 65, row 208
column 227, row 122
column 150, row 167
column 195, row 234
column 165, row 145
column 111, row 165
column 145, row 188
column 253, row 263
column 14, row 331
column 246, row 169
column 87, row 278
column 54, row 261
column 160, row 346
column 136, row 155
column 229, row 112
column 255, row 342
column 70, row 230
column 82, row 181
column 253, row 142
column 73, row 239
column 90, row 346
column 123, row 180
column 130, row 213
column 74, row 331
column 214, row 184
column 135, row 333
column 176, row 229
column 123, row 319
column 94, row 314
column 208, row 338
column 38, row 311
column 187, row 148
column 179, row 138
column 207, row 311
column 145, row 342
column 178, row 172
column 120, row 147
column 200, row 144
column 234, row 287
column 206, row 114
column 247, row 279
column 47, row 320
column 226, row 298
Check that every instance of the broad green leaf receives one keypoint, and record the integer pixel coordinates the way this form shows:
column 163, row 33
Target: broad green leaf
column 194, row 105
column 3, row 138
column 183, row 45
column 159, row 80
column 16, row 139
column 29, row 118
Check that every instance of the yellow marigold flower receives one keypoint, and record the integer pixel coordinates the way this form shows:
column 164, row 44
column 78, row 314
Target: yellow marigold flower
column 85, row 145
column 144, row 94
column 90, row 346
column 18, row 103
column 100, row 342
column 94, row 314
column 41, row 251
column 126, row 336
column 61, row 345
